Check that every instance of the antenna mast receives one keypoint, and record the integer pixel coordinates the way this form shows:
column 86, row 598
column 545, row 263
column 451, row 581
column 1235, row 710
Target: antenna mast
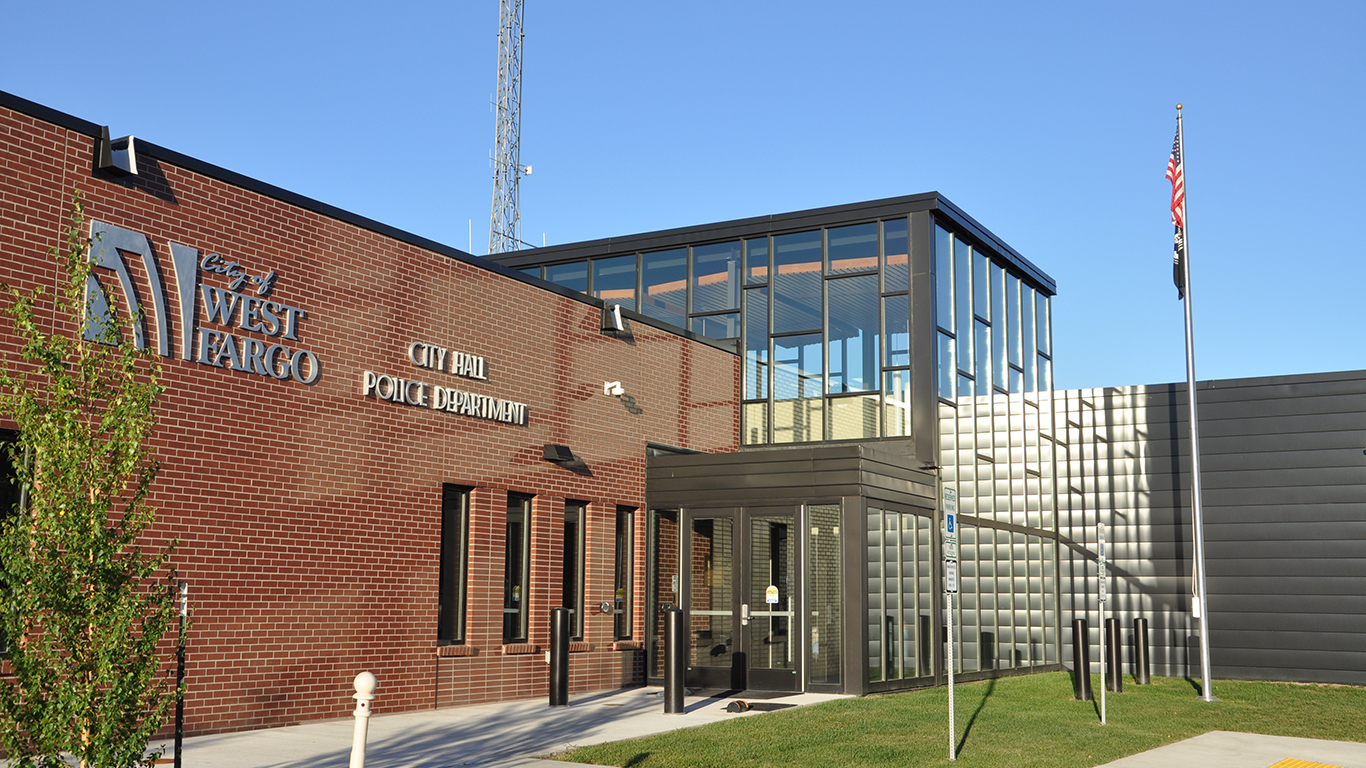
column 507, row 168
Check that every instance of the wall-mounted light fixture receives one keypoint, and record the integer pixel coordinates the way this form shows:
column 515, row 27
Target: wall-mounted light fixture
column 613, row 388
column 117, row 156
column 559, row 454
column 612, row 321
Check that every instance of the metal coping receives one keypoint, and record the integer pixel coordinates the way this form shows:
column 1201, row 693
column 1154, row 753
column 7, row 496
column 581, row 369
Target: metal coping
column 92, row 130
column 849, row 213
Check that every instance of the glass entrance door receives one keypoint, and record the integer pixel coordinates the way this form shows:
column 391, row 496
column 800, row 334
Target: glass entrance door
column 742, row 596
column 771, row 599
column 716, row 658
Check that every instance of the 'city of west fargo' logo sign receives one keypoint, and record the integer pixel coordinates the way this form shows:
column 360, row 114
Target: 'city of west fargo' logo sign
column 245, row 303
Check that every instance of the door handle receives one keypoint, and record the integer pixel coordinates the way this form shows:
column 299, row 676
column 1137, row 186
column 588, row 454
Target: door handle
column 744, row 614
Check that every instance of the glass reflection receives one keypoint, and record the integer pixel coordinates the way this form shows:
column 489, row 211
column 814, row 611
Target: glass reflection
column 664, row 285
column 756, row 343
column 614, row 280
column 896, row 311
column 853, row 334
column 896, row 262
column 798, row 408
column 797, row 282
column 853, row 249
column 572, row 276
column 716, row 277
column 756, row 261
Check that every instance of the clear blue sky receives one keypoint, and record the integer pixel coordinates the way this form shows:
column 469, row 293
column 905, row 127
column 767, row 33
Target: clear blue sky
column 1050, row 123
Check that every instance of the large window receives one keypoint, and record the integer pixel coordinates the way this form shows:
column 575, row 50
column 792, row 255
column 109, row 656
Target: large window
column 622, row 572
column 575, row 515
column 455, row 553
column 516, row 564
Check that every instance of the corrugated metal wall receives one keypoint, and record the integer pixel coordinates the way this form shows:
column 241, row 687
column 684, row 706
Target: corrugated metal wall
column 1284, row 475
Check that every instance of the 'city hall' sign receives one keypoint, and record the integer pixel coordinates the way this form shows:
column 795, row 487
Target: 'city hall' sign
column 401, row 391
column 246, row 303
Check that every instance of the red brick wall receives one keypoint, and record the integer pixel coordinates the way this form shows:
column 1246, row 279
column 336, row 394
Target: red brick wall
column 309, row 516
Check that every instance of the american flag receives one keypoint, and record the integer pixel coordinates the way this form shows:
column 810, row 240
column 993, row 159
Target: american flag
column 1176, row 174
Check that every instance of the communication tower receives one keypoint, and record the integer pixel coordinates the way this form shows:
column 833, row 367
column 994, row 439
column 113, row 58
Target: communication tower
column 507, row 169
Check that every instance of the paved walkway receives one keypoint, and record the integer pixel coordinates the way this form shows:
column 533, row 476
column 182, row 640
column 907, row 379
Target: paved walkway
column 502, row 734
column 1225, row 749
column 515, row 733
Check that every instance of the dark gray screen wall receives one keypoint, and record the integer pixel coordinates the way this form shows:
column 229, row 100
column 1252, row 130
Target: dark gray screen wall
column 1284, row 475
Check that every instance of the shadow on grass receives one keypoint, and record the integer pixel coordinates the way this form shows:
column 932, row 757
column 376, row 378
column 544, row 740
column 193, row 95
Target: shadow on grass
column 991, row 687
column 636, row 760
column 1095, row 700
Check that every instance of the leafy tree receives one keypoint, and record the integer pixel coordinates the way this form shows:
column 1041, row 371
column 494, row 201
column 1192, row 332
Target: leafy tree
column 85, row 605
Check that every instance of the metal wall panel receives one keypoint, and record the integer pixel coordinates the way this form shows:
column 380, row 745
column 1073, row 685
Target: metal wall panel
column 1284, row 492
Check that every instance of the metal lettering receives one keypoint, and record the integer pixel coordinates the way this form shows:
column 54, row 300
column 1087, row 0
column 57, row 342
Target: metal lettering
column 254, row 353
column 272, row 367
column 208, row 343
column 292, row 318
column 314, row 369
column 251, row 316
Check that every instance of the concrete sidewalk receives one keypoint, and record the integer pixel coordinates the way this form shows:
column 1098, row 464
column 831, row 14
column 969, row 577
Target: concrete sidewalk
column 1225, row 749
column 504, row 734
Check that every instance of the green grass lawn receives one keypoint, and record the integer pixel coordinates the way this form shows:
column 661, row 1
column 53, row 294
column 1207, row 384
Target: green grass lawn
column 1017, row 721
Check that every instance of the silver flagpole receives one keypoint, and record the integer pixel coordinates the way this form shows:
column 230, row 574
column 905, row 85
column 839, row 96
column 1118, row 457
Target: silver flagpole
column 1198, row 522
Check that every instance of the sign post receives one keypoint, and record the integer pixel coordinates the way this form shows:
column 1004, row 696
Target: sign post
column 950, row 589
column 1100, row 538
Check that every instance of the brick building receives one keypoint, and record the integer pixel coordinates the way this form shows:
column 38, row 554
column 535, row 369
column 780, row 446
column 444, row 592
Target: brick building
column 315, row 434
column 383, row 453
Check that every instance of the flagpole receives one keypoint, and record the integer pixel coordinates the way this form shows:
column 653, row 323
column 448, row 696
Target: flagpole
column 1197, row 517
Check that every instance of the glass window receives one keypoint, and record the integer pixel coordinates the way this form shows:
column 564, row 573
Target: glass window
column 572, row 276
column 614, row 280
column 455, row 538
column 896, row 273
column 855, row 418
column 533, row 271
column 1013, row 318
column 999, row 347
column 756, row 343
column 798, row 409
column 1041, row 324
column 897, row 313
column 853, row 249
column 962, row 266
column 756, row 423
column 516, row 564
column 575, row 513
column 725, row 326
column 1045, row 374
column 716, row 277
column 664, row 285
column 756, row 261
column 982, row 338
column 981, row 303
column 896, row 393
column 797, row 282
column 622, row 581
column 853, row 334
column 1027, row 336
column 946, row 368
column 877, row 629
column 943, row 278
column 823, row 598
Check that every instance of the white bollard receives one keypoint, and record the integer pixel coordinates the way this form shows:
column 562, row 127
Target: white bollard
column 365, row 693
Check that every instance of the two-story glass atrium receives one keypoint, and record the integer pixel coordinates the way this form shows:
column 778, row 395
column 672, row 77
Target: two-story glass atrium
column 890, row 349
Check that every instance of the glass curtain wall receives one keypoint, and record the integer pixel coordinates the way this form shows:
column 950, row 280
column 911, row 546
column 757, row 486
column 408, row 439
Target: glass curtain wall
column 995, row 404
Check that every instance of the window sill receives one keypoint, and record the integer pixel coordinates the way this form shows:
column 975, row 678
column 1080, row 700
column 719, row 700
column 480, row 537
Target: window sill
column 578, row 646
column 520, row 649
column 628, row 645
column 444, row 651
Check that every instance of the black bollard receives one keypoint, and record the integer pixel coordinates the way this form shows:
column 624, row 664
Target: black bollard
column 1081, row 660
column 1114, row 680
column 559, row 657
column 675, row 660
column 1141, row 652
